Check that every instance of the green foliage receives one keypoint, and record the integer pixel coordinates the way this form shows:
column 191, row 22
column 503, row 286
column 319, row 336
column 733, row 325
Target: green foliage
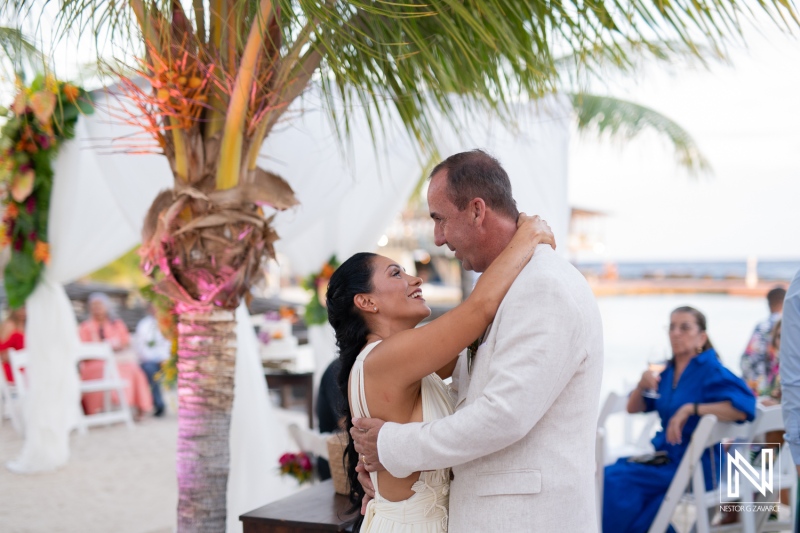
column 123, row 271
column 317, row 283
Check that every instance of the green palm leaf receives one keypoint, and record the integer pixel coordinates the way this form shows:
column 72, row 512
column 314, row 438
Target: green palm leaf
column 615, row 117
column 17, row 52
column 410, row 56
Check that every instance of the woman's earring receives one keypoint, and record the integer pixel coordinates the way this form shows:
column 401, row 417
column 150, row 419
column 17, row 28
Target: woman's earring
column 376, row 309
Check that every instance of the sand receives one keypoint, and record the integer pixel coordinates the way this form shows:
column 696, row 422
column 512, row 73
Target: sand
column 118, row 480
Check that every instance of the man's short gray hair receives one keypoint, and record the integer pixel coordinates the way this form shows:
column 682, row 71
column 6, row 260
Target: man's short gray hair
column 476, row 174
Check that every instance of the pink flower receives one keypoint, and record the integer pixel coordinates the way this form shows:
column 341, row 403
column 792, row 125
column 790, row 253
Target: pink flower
column 30, row 204
column 286, row 458
column 305, row 462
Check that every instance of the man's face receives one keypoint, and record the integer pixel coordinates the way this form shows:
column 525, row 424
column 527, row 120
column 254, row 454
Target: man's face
column 453, row 227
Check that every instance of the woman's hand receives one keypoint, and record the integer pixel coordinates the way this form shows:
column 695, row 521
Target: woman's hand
column 676, row 423
column 538, row 227
column 649, row 381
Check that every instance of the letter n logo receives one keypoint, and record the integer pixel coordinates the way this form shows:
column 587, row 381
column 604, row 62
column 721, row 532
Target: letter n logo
column 739, row 465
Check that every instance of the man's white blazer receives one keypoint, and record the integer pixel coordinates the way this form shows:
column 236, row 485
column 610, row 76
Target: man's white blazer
column 522, row 439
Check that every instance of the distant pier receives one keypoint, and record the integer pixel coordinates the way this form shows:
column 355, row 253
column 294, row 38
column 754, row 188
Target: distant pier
column 628, row 287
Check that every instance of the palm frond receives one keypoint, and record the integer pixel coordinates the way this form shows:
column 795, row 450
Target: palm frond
column 18, row 52
column 410, row 57
column 615, row 117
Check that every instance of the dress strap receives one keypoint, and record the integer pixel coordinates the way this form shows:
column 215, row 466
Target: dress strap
column 358, row 395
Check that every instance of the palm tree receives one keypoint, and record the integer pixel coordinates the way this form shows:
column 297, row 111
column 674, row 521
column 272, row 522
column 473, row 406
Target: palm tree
column 223, row 72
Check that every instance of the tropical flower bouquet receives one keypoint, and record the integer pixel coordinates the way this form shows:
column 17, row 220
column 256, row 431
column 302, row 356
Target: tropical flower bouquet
column 41, row 117
column 298, row 465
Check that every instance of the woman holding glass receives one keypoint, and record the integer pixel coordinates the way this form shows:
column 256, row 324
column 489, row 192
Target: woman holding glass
column 694, row 383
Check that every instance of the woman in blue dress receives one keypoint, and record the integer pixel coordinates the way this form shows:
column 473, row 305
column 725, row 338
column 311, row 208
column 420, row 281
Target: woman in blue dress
column 695, row 383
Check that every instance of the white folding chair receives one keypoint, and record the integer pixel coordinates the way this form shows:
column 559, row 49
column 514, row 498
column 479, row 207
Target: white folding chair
column 108, row 384
column 11, row 396
column 637, row 429
column 707, row 434
column 784, row 475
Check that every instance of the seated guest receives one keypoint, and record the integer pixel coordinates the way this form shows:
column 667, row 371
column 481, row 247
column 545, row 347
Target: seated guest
column 329, row 410
column 152, row 349
column 103, row 326
column 695, row 383
column 12, row 335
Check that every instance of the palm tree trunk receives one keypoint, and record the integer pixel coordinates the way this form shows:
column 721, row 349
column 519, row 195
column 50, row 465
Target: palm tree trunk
column 206, row 363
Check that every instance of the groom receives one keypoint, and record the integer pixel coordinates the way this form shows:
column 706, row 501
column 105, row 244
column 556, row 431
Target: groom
column 522, row 439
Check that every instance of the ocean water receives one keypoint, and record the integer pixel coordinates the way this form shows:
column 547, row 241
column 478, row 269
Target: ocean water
column 635, row 331
column 767, row 270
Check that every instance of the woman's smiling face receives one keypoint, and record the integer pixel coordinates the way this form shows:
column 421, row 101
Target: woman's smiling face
column 396, row 294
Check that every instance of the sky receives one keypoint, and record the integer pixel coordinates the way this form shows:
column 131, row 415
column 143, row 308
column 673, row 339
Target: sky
column 745, row 118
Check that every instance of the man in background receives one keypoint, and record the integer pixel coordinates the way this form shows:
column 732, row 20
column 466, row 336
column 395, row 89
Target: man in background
column 755, row 363
column 152, row 349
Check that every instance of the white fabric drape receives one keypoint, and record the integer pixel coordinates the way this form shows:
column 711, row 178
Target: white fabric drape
column 86, row 230
column 101, row 195
column 257, row 438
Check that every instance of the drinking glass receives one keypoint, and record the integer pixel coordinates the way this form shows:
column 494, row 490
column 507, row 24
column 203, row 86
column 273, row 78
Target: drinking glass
column 656, row 368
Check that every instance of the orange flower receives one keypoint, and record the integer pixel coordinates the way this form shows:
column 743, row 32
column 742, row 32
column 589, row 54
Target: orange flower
column 22, row 185
column 12, row 211
column 43, row 104
column 5, row 240
column 20, row 102
column 327, row 271
column 71, row 92
column 41, row 252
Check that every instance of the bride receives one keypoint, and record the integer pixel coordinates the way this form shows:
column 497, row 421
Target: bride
column 393, row 370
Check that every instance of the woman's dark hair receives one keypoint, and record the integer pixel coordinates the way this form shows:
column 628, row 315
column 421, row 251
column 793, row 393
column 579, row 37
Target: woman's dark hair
column 353, row 277
column 700, row 318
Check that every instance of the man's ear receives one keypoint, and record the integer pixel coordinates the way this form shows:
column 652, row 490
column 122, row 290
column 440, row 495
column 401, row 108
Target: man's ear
column 364, row 303
column 477, row 209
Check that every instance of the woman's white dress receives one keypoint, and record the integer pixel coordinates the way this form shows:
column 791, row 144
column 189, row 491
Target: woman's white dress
column 426, row 510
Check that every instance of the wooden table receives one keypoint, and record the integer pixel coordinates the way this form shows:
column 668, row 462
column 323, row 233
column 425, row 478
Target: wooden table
column 315, row 509
column 284, row 381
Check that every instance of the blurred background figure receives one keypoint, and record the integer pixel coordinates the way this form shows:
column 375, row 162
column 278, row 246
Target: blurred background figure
column 152, row 349
column 694, row 383
column 790, row 372
column 12, row 335
column 104, row 326
column 329, row 410
column 755, row 360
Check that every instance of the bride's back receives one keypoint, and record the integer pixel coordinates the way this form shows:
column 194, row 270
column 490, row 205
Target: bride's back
column 393, row 403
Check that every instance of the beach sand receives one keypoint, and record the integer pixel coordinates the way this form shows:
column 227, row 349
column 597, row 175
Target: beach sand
column 118, row 479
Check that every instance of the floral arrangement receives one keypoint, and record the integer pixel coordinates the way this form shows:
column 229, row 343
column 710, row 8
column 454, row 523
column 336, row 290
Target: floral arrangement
column 42, row 116
column 317, row 283
column 297, row 465
column 167, row 320
column 283, row 313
